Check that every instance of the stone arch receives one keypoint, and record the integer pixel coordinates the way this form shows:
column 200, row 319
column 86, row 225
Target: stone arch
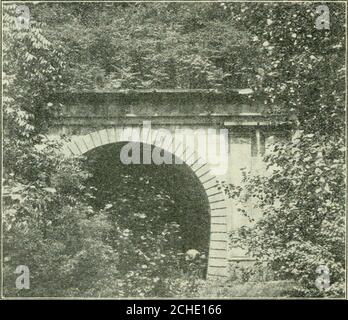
column 218, row 244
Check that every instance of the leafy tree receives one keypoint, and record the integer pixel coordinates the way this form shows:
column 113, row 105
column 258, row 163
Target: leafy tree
column 46, row 225
column 70, row 247
column 302, row 197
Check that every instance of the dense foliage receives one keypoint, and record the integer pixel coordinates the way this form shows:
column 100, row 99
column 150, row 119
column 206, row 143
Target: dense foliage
column 302, row 198
column 156, row 45
column 70, row 247
column 45, row 212
column 76, row 248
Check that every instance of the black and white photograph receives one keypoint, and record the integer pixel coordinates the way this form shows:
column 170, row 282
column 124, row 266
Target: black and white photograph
column 173, row 150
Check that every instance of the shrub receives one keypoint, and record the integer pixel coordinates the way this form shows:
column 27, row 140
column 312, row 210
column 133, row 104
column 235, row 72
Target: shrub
column 302, row 202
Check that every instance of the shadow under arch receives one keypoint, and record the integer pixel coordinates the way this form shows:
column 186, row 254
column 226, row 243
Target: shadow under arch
column 217, row 208
column 165, row 193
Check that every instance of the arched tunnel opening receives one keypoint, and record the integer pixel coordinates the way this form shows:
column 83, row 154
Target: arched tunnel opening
column 153, row 200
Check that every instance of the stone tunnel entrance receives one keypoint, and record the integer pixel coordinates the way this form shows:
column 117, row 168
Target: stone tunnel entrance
column 163, row 194
column 206, row 189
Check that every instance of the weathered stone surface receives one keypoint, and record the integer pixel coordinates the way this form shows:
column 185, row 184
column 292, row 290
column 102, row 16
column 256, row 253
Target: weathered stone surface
column 97, row 119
